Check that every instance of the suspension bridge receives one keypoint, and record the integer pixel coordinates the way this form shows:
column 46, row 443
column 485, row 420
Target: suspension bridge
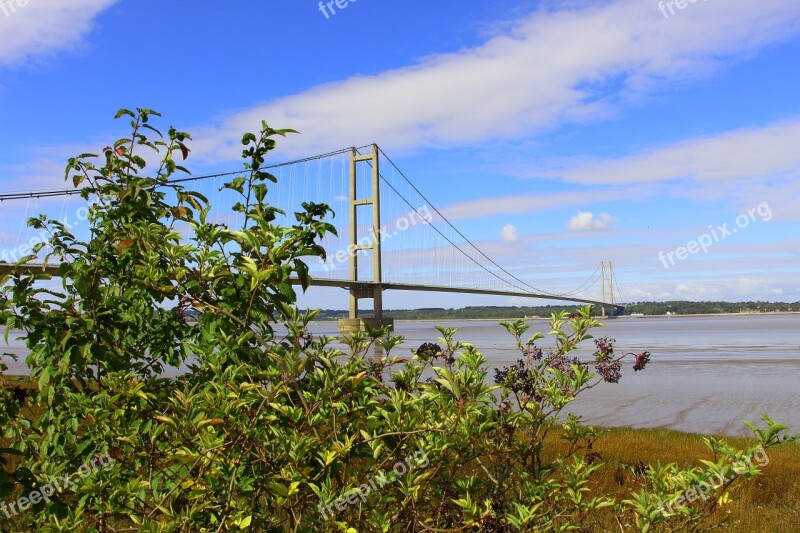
column 389, row 235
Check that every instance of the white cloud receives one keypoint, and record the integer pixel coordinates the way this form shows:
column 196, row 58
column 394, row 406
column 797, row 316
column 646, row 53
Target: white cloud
column 554, row 66
column 745, row 167
column 533, row 203
column 639, row 295
column 41, row 27
column 510, row 233
column 585, row 220
column 551, row 67
column 751, row 153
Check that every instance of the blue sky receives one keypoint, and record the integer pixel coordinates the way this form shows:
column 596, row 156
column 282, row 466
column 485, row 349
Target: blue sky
column 599, row 130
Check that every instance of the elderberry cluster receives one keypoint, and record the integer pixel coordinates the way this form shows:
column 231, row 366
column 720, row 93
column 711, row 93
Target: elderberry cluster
column 641, row 361
column 610, row 372
column 517, row 378
column 564, row 364
column 533, row 352
column 605, row 349
column 428, row 351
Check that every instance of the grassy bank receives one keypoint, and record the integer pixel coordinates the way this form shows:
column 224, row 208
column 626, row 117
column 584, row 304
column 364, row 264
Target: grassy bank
column 770, row 503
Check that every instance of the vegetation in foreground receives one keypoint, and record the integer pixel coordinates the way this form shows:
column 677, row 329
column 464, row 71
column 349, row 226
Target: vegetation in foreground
column 273, row 432
column 769, row 504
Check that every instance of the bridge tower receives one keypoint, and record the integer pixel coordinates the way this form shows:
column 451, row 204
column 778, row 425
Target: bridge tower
column 607, row 274
column 372, row 289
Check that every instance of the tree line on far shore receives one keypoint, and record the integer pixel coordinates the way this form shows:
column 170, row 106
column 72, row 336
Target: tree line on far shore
column 645, row 308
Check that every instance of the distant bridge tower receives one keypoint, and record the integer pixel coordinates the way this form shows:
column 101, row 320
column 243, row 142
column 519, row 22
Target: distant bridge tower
column 607, row 275
column 374, row 288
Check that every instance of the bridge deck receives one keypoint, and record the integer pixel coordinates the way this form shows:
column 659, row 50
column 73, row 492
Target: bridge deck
column 436, row 288
column 53, row 270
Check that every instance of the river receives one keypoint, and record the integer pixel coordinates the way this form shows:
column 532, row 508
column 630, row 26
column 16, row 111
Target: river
column 707, row 373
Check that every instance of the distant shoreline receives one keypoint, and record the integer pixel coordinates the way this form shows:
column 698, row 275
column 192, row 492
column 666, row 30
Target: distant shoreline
column 543, row 318
column 771, row 313
column 634, row 310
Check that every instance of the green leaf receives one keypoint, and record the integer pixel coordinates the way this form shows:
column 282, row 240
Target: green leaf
column 279, row 489
column 11, row 322
column 122, row 112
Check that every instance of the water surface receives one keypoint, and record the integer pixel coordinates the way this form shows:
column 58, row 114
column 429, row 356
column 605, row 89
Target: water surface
column 707, row 373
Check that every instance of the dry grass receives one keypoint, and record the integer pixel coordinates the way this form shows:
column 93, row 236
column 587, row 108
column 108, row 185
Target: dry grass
column 770, row 503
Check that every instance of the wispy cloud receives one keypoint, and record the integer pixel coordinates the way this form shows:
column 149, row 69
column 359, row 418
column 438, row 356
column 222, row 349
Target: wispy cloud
column 751, row 153
column 545, row 78
column 46, row 26
column 539, row 202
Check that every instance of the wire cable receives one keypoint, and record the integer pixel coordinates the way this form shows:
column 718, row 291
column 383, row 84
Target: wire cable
column 536, row 289
column 448, row 239
column 582, row 287
column 69, row 192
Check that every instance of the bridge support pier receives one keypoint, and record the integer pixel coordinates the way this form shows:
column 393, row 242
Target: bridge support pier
column 358, row 325
column 355, row 323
